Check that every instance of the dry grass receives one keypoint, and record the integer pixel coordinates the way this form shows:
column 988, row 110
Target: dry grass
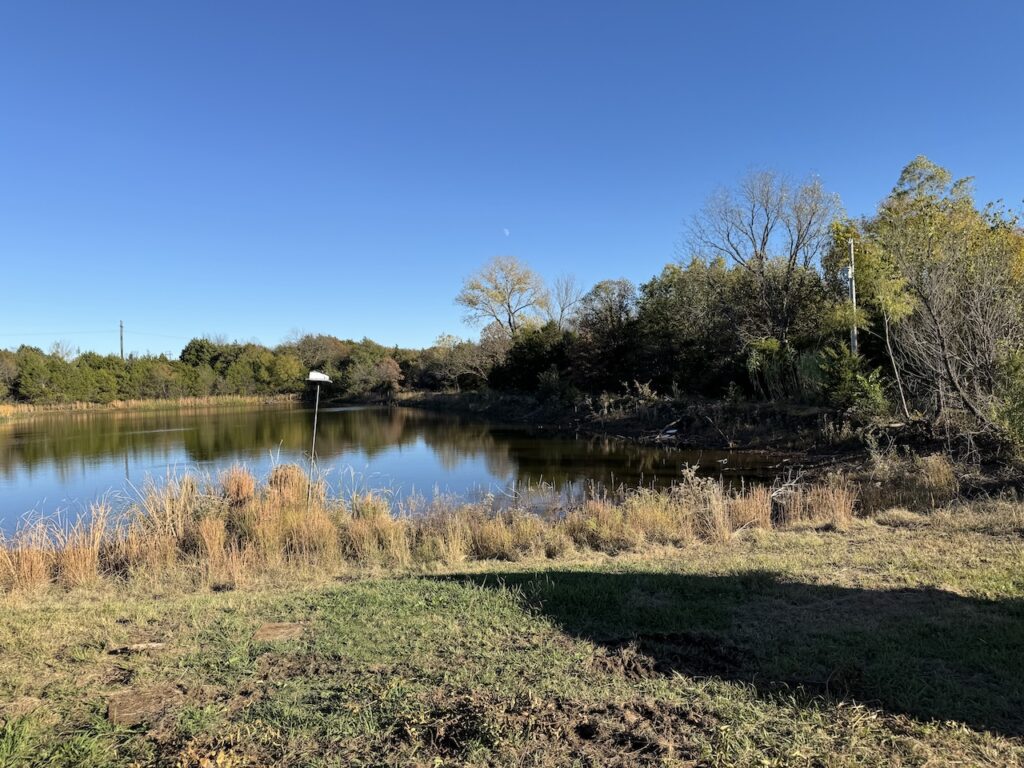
column 77, row 548
column 238, row 485
column 287, row 484
column 377, row 541
column 601, row 525
column 751, row 509
column 663, row 518
column 226, row 533
column 25, row 560
column 918, row 483
column 830, row 503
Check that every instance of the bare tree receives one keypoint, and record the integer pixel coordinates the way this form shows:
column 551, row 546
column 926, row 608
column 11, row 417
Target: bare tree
column 565, row 298
column 777, row 233
column 64, row 350
column 504, row 291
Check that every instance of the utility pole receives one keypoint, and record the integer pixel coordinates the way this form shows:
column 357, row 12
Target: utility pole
column 122, row 339
column 853, row 300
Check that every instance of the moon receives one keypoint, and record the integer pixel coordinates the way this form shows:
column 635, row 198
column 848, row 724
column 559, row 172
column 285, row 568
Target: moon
column 506, row 232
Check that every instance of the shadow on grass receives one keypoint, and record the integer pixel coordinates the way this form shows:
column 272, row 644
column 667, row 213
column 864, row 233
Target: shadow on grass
column 922, row 652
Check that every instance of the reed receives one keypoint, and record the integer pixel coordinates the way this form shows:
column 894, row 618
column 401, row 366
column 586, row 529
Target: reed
column 78, row 548
column 25, row 560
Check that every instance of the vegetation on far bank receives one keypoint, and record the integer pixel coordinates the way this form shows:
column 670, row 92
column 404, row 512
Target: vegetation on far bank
column 12, row 410
column 757, row 310
column 813, row 626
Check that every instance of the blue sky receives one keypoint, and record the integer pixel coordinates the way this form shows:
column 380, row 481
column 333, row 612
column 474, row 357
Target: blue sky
column 250, row 169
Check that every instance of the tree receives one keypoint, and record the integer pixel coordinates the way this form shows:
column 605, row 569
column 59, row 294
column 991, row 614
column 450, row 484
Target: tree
column 882, row 295
column 504, row 291
column 35, row 380
column 688, row 327
column 962, row 273
column 776, row 233
column 8, row 373
column 606, row 324
column 198, row 352
column 389, row 379
column 536, row 352
column 453, row 359
column 564, row 299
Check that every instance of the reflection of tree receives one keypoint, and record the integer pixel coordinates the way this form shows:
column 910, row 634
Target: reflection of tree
column 454, row 441
column 68, row 441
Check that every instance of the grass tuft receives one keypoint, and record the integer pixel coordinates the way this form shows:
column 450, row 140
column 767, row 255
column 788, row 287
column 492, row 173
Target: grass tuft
column 238, row 485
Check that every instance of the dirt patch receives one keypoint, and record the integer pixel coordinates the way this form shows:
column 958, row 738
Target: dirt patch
column 22, row 705
column 141, row 705
column 689, row 653
column 528, row 730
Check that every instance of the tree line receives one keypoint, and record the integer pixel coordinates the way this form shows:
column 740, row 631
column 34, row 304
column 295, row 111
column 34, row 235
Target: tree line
column 760, row 307
column 757, row 307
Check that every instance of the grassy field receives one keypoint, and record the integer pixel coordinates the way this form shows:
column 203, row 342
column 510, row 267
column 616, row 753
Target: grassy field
column 897, row 642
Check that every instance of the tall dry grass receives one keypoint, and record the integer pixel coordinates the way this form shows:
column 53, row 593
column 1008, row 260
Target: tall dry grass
column 238, row 485
column 26, row 558
column 220, row 534
column 917, row 483
column 831, row 503
column 78, row 548
column 15, row 410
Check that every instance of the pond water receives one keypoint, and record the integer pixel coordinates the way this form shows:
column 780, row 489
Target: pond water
column 63, row 461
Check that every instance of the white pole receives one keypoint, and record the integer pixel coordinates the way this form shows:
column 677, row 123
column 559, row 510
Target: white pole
column 312, row 450
column 853, row 298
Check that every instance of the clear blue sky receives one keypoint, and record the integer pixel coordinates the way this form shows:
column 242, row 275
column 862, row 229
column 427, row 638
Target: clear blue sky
column 253, row 168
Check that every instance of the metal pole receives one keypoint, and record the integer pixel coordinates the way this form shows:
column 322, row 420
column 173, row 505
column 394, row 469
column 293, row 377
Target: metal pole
column 122, row 339
column 312, row 450
column 853, row 298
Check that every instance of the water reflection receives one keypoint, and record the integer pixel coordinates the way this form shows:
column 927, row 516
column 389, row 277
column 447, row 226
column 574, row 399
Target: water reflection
column 57, row 460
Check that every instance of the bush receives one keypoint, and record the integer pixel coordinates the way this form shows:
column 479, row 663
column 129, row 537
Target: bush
column 1010, row 397
column 846, row 384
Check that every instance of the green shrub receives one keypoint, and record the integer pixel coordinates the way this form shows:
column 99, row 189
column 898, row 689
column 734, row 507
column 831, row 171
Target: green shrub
column 846, row 384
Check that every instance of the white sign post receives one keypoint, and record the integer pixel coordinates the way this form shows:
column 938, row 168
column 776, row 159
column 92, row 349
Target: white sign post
column 318, row 378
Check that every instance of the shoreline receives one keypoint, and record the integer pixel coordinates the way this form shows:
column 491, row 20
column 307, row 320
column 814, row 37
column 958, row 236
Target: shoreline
column 787, row 431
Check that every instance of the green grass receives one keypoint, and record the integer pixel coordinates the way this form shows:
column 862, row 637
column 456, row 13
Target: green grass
column 884, row 645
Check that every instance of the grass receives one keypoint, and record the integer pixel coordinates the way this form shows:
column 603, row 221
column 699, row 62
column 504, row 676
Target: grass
column 880, row 645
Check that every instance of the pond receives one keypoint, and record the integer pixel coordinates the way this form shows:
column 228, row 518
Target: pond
column 63, row 461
